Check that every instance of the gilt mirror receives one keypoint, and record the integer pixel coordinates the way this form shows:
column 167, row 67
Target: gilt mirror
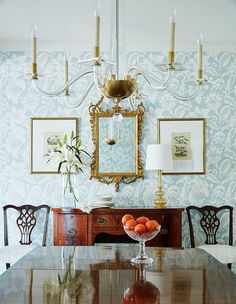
column 116, row 134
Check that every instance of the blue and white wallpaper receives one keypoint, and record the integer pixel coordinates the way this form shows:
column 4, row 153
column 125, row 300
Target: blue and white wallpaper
column 217, row 103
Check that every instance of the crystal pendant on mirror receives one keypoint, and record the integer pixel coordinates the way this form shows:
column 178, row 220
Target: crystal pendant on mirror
column 117, row 117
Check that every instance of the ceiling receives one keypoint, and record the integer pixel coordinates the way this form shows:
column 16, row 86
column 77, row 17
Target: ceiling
column 69, row 24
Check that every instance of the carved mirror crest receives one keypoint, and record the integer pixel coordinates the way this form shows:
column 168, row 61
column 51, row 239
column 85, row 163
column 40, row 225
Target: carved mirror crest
column 116, row 134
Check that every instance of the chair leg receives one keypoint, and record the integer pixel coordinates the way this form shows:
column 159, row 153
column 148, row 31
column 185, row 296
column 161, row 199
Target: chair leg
column 8, row 265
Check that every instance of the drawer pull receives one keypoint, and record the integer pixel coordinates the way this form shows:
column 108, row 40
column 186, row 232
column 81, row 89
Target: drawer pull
column 72, row 232
column 101, row 221
column 163, row 231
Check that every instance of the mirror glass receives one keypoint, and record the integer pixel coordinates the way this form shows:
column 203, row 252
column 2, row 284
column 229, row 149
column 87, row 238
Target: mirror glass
column 116, row 156
column 117, row 145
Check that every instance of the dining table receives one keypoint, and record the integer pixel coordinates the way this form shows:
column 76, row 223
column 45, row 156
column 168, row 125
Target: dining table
column 104, row 274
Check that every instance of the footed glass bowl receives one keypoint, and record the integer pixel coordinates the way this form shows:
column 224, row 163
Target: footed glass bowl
column 142, row 257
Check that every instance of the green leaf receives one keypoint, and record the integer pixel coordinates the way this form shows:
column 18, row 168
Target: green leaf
column 65, row 138
column 72, row 135
column 86, row 153
column 79, row 159
column 60, row 144
column 59, row 166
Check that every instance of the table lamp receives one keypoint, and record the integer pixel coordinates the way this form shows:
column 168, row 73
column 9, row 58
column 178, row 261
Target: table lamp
column 159, row 158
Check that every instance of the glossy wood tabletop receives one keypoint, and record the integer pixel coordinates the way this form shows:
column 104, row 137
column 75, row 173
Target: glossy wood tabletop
column 103, row 274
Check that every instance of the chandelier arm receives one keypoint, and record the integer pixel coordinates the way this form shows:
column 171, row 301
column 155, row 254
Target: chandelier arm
column 98, row 79
column 81, row 100
column 111, row 63
column 62, row 89
column 150, row 78
column 185, row 98
column 96, row 60
column 90, row 60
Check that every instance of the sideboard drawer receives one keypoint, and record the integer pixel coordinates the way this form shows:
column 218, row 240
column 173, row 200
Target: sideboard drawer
column 105, row 220
column 69, row 228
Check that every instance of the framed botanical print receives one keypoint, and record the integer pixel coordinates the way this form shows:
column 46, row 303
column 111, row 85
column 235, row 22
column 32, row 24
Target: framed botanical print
column 44, row 135
column 186, row 136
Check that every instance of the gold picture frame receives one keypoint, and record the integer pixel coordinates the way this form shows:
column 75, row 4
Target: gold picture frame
column 113, row 171
column 43, row 132
column 187, row 139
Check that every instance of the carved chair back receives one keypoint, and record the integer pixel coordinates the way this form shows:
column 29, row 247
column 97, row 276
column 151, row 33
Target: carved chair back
column 210, row 222
column 26, row 222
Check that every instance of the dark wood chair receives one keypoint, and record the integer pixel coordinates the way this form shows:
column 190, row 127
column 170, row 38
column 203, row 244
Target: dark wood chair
column 26, row 222
column 209, row 220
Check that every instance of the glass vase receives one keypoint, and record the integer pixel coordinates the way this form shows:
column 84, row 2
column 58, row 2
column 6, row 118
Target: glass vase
column 69, row 190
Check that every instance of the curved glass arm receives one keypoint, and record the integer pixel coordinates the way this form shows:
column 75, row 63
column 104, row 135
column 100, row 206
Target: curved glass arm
column 150, row 78
column 100, row 78
column 81, row 99
column 185, row 98
column 62, row 89
column 96, row 60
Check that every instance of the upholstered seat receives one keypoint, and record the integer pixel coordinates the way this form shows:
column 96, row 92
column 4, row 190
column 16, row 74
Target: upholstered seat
column 226, row 254
column 13, row 253
column 209, row 220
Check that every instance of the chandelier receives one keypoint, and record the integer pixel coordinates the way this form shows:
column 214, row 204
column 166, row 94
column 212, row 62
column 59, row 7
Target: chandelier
column 106, row 73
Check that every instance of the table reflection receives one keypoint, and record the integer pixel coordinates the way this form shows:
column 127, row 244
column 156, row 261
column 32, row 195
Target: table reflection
column 142, row 291
column 105, row 275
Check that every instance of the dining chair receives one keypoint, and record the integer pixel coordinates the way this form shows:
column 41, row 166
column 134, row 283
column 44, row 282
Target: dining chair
column 207, row 231
column 27, row 217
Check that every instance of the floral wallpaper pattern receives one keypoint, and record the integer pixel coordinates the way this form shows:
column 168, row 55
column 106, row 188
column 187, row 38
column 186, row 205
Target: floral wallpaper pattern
column 217, row 103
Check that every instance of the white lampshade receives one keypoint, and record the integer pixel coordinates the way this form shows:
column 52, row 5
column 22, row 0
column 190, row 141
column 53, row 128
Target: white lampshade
column 159, row 157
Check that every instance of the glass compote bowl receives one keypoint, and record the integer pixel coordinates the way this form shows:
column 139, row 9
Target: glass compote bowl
column 142, row 257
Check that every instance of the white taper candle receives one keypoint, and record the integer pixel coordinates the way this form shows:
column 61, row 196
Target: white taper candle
column 172, row 31
column 34, row 44
column 200, row 48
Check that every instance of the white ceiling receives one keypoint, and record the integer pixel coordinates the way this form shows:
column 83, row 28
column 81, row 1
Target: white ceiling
column 69, row 23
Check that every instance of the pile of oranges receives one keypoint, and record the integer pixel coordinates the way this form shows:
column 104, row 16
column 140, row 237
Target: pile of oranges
column 140, row 225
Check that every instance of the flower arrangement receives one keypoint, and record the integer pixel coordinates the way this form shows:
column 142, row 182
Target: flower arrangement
column 70, row 157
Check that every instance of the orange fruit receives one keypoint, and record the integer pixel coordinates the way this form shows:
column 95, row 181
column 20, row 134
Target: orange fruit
column 142, row 220
column 130, row 224
column 152, row 225
column 127, row 217
column 140, row 229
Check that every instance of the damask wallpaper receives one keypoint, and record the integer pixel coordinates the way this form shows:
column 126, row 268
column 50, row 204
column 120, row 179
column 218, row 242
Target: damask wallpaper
column 19, row 102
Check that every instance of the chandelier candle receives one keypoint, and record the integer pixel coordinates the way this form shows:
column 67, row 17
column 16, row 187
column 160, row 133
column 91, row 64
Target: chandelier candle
column 66, row 73
column 34, row 52
column 97, row 30
column 199, row 68
column 172, row 38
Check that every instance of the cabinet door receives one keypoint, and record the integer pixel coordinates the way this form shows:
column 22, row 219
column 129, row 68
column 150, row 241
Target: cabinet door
column 70, row 229
column 171, row 230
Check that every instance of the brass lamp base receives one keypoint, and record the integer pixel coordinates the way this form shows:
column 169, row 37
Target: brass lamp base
column 160, row 201
column 119, row 89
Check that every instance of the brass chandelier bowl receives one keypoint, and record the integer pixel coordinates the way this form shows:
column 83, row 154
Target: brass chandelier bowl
column 119, row 89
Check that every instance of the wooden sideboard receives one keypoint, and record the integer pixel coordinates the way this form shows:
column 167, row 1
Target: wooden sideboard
column 75, row 227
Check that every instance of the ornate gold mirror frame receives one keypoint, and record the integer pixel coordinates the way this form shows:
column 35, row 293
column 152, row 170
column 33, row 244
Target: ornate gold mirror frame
column 110, row 153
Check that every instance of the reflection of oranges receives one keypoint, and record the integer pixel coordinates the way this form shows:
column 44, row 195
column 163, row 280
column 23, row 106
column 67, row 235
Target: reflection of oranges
column 152, row 225
column 126, row 217
column 130, row 224
column 142, row 220
column 142, row 292
column 140, row 229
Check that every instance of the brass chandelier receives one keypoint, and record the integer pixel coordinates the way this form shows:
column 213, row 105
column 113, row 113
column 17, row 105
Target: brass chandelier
column 106, row 73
